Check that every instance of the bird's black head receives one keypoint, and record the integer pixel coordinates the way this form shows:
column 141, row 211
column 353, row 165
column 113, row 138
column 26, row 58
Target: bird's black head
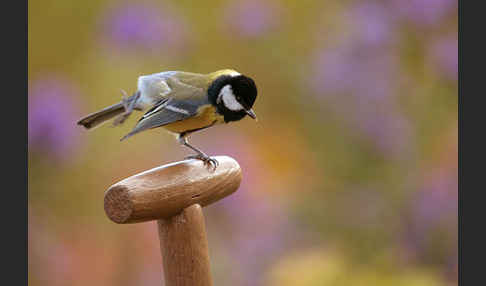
column 233, row 96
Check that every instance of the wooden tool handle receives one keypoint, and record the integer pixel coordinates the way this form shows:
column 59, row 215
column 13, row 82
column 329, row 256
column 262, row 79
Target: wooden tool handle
column 184, row 249
column 165, row 191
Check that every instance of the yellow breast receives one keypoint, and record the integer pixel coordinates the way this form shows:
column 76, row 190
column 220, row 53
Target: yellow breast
column 206, row 116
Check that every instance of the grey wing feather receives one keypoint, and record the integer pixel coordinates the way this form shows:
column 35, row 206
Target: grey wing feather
column 166, row 112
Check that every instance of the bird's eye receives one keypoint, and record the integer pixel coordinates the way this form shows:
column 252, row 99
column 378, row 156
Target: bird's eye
column 238, row 98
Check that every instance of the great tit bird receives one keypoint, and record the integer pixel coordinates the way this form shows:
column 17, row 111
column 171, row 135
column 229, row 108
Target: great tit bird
column 183, row 103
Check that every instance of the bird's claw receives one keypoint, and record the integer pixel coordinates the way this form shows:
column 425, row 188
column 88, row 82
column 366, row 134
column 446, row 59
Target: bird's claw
column 125, row 101
column 206, row 159
column 127, row 105
column 121, row 118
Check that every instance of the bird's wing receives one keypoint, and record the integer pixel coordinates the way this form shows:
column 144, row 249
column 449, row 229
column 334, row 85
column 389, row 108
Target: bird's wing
column 182, row 103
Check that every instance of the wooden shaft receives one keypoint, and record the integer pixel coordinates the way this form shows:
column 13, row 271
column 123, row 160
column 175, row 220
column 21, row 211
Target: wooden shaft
column 184, row 249
column 165, row 191
column 173, row 194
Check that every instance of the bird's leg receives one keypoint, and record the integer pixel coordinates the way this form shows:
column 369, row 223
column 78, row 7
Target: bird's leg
column 129, row 105
column 200, row 154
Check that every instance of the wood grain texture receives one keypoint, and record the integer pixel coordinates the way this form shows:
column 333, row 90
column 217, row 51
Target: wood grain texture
column 184, row 249
column 165, row 191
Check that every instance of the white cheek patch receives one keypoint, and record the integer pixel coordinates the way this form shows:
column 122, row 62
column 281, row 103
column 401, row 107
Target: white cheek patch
column 228, row 98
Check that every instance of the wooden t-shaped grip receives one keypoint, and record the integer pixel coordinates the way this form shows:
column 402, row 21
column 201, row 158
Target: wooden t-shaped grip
column 165, row 191
column 173, row 194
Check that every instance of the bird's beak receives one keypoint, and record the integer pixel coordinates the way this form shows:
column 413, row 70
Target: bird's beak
column 251, row 113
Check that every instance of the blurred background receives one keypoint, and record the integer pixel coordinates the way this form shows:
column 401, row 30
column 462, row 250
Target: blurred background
column 350, row 174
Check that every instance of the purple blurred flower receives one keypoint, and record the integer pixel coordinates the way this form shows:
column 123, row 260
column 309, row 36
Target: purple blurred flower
column 443, row 54
column 364, row 60
column 371, row 24
column 423, row 12
column 144, row 26
column 358, row 76
column 431, row 233
column 436, row 202
column 390, row 132
column 333, row 72
column 350, row 69
column 252, row 18
column 367, row 204
column 361, row 85
column 53, row 112
column 261, row 232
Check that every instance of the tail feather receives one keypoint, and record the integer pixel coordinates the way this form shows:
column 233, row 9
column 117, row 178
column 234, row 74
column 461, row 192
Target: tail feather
column 94, row 119
column 97, row 118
